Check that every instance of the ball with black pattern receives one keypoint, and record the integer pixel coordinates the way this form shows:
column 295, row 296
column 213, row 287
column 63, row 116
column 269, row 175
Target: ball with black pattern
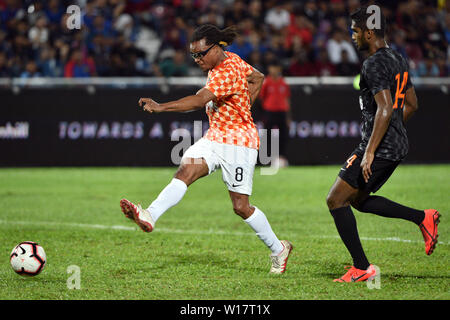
column 28, row 258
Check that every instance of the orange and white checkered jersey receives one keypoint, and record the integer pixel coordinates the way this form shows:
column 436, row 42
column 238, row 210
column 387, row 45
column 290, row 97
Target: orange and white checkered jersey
column 230, row 118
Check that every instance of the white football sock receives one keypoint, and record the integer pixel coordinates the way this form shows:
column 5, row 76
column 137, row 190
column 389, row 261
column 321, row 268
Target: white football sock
column 259, row 223
column 170, row 196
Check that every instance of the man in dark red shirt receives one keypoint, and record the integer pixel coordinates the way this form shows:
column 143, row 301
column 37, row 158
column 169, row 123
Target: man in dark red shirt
column 275, row 94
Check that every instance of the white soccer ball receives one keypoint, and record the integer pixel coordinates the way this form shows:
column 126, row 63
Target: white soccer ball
column 28, row 258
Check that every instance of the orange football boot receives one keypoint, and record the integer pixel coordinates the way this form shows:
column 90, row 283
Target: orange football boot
column 429, row 228
column 357, row 275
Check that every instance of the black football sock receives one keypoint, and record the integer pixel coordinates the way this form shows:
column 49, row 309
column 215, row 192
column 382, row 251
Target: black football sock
column 387, row 208
column 346, row 225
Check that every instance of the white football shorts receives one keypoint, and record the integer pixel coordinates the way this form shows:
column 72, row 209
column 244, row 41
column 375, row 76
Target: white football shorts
column 237, row 162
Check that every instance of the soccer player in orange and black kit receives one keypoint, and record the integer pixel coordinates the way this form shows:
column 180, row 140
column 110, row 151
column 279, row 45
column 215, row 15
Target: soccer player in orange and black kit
column 387, row 101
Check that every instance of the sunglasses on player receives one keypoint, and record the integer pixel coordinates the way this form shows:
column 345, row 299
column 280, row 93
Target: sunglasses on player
column 201, row 54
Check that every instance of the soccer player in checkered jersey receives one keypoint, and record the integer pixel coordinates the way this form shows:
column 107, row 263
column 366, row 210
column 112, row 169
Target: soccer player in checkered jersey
column 387, row 101
column 231, row 142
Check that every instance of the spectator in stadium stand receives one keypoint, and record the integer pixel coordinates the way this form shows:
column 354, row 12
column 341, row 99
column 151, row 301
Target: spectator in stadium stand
column 31, row 70
column 16, row 65
column 413, row 51
column 48, row 64
column 4, row 68
column 337, row 8
column 434, row 34
column 138, row 5
column 323, row 66
column 256, row 61
column 346, row 68
column 54, row 11
column 124, row 25
column 188, row 12
column 269, row 58
column 21, row 45
column 35, row 11
column 301, row 66
column 255, row 11
column 236, row 13
column 39, row 33
column 120, row 66
column 241, row 46
column 278, row 17
column 275, row 96
column 312, row 12
column 256, row 42
column 301, row 28
column 277, row 48
column 428, row 67
column 443, row 66
column 103, row 27
column 212, row 16
column 11, row 12
column 398, row 43
column 175, row 66
column 339, row 43
column 78, row 67
column 174, row 38
column 447, row 27
column 5, row 46
column 321, row 37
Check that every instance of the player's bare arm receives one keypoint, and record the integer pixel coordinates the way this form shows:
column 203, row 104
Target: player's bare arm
column 411, row 105
column 380, row 126
column 255, row 81
column 189, row 103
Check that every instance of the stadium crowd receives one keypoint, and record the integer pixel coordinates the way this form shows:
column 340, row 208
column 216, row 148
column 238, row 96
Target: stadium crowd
column 151, row 37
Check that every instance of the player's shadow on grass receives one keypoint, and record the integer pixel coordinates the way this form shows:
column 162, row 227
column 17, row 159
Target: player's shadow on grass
column 393, row 276
column 334, row 269
column 207, row 258
column 212, row 260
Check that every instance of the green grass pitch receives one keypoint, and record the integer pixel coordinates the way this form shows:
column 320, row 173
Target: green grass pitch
column 200, row 249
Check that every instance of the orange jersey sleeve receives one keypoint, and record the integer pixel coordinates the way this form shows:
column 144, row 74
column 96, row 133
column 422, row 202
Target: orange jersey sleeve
column 230, row 119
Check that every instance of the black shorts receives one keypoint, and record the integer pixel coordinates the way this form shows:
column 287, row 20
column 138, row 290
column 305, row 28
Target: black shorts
column 382, row 169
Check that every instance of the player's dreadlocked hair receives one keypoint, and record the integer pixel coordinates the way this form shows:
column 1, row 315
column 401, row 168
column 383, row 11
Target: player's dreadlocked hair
column 214, row 35
column 361, row 16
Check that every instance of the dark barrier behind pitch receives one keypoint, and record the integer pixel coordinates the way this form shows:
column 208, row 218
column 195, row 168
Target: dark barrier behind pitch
column 70, row 127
